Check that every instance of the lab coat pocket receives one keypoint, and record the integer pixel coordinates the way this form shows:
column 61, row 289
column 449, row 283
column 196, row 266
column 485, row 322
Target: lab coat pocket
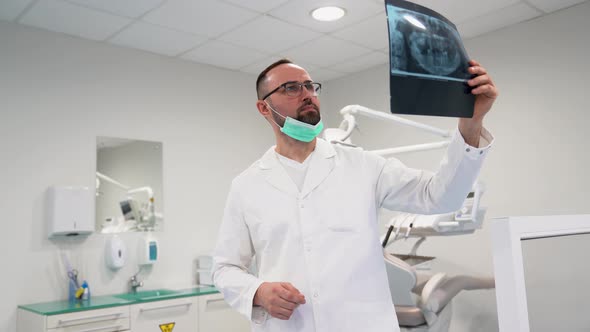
column 341, row 224
column 343, row 228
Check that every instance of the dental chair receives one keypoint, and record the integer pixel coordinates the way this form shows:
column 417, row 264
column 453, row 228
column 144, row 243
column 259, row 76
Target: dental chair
column 423, row 300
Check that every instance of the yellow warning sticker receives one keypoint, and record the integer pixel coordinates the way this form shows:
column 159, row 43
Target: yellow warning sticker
column 168, row 327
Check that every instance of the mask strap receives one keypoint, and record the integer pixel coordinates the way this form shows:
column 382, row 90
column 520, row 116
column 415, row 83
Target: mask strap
column 272, row 119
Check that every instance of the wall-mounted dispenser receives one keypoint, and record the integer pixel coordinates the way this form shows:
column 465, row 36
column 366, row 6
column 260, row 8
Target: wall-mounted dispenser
column 148, row 249
column 70, row 210
column 115, row 252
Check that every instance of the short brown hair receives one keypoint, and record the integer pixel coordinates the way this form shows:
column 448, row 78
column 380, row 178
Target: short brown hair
column 262, row 75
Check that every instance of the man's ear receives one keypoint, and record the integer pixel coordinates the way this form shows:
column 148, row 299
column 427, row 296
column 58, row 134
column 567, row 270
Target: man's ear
column 263, row 108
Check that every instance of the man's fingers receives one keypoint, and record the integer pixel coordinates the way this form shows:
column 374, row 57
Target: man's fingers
column 480, row 80
column 292, row 294
column 279, row 316
column 285, row 304
column 487, row 90
column 279, row 312
column 290, row 287
column 474, row 63
column 477, row 70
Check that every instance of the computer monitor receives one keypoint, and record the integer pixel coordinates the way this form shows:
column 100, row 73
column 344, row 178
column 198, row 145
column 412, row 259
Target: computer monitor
column 542, row 271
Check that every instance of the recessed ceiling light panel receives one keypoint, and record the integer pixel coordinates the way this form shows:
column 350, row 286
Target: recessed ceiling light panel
column 327, row 14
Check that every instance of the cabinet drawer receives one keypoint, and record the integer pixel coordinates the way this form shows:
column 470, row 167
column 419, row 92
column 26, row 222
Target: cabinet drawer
column 99, row 320
column 215, row 315
column 147, row 317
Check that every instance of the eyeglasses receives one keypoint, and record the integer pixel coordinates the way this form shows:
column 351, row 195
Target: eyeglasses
column 294, row 89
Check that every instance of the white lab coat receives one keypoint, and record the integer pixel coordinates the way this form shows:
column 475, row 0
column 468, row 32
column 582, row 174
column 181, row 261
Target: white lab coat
column 325, row 239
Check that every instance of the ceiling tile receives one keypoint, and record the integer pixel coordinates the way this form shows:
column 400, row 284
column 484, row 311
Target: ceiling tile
column 10, row 9
column 361, row 63
column 261, row 6
column 497, row 19
column 269, row 35
column 157, row 39
column 259, row 66
column 298, row 12
column 128, row 8
column 203, row 17
column 224, row 55
column 67, row 18
column 459, row 11
column 325, row 51
column 322, row 75
column 375, row 27
column 549, row 6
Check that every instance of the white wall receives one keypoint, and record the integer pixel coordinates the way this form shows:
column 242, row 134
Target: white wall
column 540, row 159
column 57, row 95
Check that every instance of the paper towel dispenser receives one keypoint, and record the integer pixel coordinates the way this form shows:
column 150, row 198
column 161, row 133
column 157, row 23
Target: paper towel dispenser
column 70, row 211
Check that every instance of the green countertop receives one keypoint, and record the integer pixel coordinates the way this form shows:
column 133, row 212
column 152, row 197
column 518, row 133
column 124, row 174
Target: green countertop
column 108, row 301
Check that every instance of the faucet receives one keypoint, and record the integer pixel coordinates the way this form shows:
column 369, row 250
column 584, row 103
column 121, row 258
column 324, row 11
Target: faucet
column 134, row 283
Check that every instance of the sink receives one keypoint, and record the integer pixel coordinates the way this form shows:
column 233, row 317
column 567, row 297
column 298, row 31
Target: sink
column 146, row 295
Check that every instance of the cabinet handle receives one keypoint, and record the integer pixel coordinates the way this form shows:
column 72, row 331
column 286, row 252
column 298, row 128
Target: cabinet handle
column 115, row 327
column 216, row 304
column 166, row 307
column 67, row 321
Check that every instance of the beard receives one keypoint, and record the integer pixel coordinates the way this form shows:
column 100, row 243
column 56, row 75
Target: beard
column 309, row 116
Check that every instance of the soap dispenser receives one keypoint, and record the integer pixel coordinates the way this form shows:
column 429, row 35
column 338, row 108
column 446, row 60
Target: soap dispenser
column 148, row 249
column 115, row 253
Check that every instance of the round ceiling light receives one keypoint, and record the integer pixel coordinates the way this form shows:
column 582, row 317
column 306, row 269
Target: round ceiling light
column 327, row 14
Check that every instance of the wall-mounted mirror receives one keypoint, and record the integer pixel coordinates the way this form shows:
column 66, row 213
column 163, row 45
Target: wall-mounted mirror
column 129, row 193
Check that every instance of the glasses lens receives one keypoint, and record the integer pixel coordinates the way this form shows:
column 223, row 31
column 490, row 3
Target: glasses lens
column 293, row 89
column 317, row 88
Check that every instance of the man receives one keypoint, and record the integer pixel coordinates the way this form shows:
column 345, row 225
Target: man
column 308, row 211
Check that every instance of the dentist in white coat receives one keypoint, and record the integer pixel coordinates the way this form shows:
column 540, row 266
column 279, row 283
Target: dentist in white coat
column 308, row 211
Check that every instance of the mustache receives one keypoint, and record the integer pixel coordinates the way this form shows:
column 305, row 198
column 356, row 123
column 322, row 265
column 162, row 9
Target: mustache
column 306, row 104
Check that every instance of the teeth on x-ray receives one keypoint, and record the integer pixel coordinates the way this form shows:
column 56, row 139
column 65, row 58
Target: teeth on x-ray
column 431, row 42
column 433, row 53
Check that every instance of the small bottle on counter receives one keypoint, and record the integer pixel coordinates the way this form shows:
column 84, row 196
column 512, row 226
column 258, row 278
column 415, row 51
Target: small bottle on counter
column 86, row 294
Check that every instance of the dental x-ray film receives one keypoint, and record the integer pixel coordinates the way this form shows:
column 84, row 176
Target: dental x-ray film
column 428, row 63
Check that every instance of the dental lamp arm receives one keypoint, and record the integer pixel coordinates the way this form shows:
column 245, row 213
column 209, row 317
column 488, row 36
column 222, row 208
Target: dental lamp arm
column 112, row 181
column 358, row 109
column 342, row 134
column 147, row 190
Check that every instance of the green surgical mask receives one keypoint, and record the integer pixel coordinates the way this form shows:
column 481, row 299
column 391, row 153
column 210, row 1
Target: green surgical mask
column 298, row 130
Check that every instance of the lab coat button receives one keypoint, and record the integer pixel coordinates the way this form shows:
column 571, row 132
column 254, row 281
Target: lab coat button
column 315, row 294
